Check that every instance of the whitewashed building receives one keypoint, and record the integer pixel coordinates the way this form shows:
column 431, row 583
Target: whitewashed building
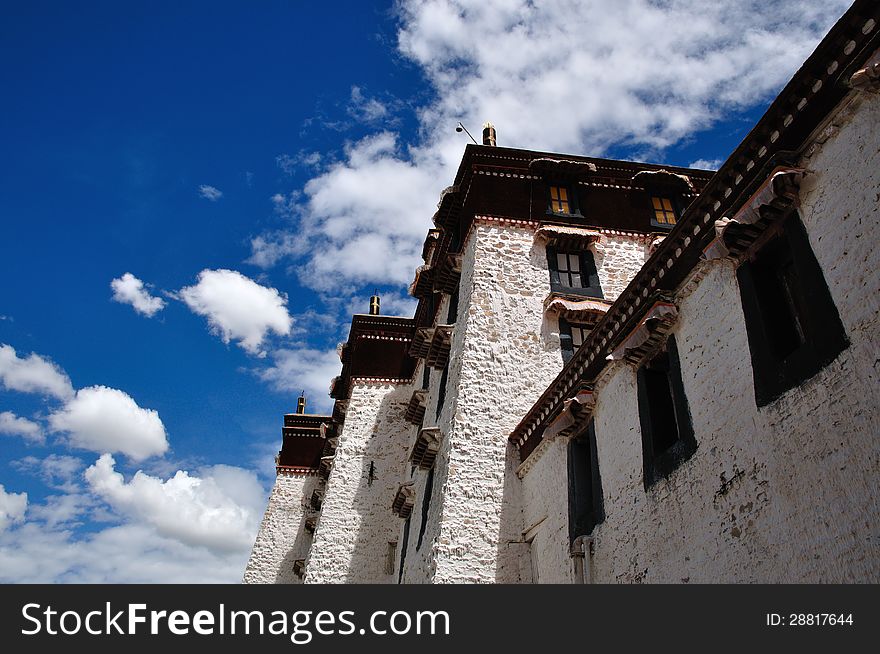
column 619, row 372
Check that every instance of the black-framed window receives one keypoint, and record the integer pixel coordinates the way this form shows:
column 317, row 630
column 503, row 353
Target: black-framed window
column 792, row 323
column 585, row 506
column 426, row 505
column 573, row 272
column 571, row 336
column 665, row 211
column 667, row 433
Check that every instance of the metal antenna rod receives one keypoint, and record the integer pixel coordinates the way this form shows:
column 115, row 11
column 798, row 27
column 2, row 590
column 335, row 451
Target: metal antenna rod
column 462, row 127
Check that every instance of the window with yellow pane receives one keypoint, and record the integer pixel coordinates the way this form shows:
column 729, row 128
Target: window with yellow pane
column 664, row 211
column 561, row 200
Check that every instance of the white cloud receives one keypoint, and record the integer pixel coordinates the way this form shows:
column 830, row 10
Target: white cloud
column 210, row 193
column 558, row 75
column 129, row 553
column 304, row 159
column 217, row 510
column 58, row 471
column 12, row 507
column 102, row 419
column 706, row 164
column 13, row 425
column 237, row 308
column 128, row 289
column 306, row 369
column 366, row 109
column 33, row 375
column 189, row 528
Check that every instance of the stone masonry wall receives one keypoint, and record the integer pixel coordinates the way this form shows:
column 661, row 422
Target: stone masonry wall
column 282, row 538
column 356, row 523
column 504, row 353
column 785, row 493
column 618, row 258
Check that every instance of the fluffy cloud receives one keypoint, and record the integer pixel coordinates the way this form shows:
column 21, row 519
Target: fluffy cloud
column 237, row 308
column 189, row 528
column 33, row 375
column 12, row 425
column 636, row 75
column 216, row 511
column 102, row 419
column 128, row 289
column 304, row 369
column 12, row 507
column 127, row 553
column 210, row 193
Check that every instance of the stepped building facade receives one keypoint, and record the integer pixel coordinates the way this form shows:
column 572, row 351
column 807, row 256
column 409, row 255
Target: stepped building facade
column 618, row 372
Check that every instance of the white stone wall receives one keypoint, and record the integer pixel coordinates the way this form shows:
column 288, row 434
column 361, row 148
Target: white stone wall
column 618, row 258
column 503, row 356
column 282, row 538
column 785, row 493
column 356, row 523
column 545, row 514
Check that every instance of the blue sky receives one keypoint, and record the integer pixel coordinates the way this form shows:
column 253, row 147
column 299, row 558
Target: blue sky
column 258, row 169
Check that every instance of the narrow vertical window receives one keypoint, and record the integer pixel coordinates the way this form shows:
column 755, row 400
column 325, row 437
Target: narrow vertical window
column 667, row 433
column 559, row 202
column 452, row 313
column 441, row 392
column 585, row 507
column 403, row 548
column 390, row 557
column 664, row 211
column 426, row 505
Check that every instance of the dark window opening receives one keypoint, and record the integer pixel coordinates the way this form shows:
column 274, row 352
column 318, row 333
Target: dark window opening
column 441, row 392
column 793, row 326
column 452, row 314
column 426, row 504
column 571, row 337
column 585, row 506
column 573, row 272
column 403, row 549
column 667, row 433
column 426, row 376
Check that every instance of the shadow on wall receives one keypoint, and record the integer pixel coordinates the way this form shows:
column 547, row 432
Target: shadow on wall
column 381, row 464
column 513, row 565
column 303, row 541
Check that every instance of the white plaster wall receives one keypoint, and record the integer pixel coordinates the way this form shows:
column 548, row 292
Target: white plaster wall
column 788, row 492
column 356, row 523
column 282, row 538
column 618, row 258
column 503, row 356
column 545, row 514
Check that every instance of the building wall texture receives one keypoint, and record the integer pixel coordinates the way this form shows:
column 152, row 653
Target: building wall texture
column 504, row 354
column 282, row 538
column 356, row 522
column 785, row 493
